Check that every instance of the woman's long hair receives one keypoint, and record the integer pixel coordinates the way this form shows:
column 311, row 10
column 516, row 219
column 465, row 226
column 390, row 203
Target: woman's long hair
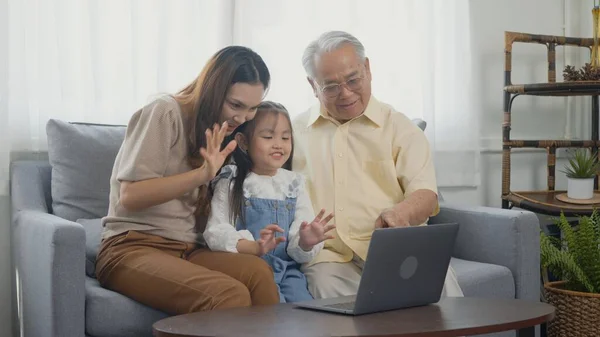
column 203, row 99
column 244, row 162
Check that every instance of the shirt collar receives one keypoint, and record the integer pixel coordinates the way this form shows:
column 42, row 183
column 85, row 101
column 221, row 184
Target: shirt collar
column 315, row 113
column 373, row 112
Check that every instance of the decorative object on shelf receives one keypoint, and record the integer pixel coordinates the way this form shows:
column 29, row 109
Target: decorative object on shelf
column 595, row 200
column 590, row 71
column 576, row 296
column 580, row 171
column 586, row 73
column 596, row 35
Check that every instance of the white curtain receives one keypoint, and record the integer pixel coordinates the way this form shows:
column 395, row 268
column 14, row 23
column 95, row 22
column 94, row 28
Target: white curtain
column 98, row 61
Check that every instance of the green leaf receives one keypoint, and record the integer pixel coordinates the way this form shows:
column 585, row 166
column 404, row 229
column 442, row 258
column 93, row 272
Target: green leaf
column 575, row 257
column 562, row 264
column 582, row 165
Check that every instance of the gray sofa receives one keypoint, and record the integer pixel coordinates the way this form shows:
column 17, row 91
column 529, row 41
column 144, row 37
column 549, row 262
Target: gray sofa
column 56, row 210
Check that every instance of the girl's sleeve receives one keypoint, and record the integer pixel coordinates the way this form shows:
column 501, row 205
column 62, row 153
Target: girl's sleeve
column 220, row 234
column 304, row 212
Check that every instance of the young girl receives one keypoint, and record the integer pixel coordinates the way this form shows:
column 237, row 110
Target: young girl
column 259, row 204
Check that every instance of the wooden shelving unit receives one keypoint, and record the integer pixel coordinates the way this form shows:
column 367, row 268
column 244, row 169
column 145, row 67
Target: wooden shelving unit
column 544, row 201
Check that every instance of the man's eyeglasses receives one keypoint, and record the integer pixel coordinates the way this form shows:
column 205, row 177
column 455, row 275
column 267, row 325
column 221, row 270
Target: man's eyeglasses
column 333, row 90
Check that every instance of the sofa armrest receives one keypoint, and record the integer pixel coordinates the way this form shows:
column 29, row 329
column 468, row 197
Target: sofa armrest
column 49, row 256
column 503, row 237
column 30, row 185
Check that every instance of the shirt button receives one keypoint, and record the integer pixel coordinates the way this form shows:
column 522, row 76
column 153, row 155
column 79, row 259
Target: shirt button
column 340, row 155
column 341, row 209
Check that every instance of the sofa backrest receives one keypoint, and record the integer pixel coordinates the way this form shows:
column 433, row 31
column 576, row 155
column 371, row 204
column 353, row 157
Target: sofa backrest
column 82, row 157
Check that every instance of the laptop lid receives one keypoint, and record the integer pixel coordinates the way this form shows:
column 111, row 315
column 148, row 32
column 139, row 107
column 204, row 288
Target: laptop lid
column 405, row 267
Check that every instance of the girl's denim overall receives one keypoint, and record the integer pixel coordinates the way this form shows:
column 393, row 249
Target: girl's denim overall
column 259, row 213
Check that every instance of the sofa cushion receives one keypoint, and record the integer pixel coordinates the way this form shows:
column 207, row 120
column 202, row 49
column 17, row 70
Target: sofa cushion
column 108, row 313
column 82, row 157
column 478, row 279
column 93, row 236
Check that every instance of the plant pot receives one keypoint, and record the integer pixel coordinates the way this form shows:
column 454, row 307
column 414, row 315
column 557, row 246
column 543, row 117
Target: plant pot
column 578, row 188
column 577, row 313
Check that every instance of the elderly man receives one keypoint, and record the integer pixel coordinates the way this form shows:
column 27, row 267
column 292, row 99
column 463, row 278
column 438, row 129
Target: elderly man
column 368, row 163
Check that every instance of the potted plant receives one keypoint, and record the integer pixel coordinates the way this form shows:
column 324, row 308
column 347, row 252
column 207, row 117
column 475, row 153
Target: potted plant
column 574, row 260
column 580, row 171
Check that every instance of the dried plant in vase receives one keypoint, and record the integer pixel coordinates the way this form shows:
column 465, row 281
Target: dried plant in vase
column 586, row 73
column 590, row 71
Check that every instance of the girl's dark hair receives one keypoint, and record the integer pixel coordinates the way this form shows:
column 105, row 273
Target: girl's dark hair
column 244, row 162
column 206, row 94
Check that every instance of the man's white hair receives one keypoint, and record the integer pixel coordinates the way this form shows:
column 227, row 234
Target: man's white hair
column 327, row 42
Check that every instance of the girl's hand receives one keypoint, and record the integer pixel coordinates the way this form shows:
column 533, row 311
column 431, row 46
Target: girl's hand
column 212, row 154
column 314, row 232
column 268, row 241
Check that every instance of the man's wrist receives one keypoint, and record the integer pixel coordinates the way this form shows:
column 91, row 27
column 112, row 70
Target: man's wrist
column 404, row 211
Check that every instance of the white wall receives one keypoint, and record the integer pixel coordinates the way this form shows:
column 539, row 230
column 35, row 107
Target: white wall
column 532, row 117
column 6, row 309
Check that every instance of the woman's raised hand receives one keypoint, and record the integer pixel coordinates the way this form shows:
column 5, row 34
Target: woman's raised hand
column 213, row 156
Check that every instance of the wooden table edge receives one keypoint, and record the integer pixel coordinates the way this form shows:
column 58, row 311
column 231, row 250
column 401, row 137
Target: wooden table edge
column 493, row 328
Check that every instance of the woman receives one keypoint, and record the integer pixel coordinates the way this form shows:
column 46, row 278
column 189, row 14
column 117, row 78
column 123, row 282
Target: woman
column 159, row 197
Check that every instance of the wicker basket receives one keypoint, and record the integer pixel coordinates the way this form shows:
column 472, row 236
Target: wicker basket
column 577, row 313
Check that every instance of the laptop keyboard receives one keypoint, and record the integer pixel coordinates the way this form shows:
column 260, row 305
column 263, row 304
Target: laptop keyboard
column 344, row 306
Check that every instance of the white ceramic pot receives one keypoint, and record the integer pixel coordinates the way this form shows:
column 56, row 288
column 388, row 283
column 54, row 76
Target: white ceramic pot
column 580, row 188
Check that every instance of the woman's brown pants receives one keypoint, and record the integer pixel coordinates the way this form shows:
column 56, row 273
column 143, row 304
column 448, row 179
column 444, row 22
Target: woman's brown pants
column 177, row 277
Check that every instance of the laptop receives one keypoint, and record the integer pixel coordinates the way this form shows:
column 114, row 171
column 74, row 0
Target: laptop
column 405, row 267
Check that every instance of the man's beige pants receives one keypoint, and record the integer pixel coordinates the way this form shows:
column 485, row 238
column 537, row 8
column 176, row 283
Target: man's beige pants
column 332, row 279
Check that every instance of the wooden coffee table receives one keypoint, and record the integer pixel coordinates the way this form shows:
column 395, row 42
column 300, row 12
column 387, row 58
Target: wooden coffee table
column 450, row 317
